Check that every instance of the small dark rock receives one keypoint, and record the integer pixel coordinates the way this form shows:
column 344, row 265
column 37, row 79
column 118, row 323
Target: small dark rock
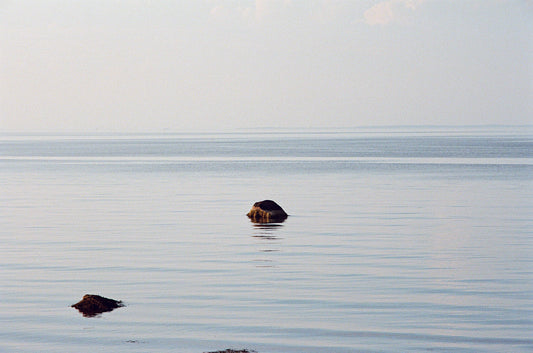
column 92, row 305
column 233, row 351
column 267, row 211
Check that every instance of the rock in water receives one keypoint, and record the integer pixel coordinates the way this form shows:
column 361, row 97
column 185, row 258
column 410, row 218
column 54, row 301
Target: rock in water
column 92, row 305
column 233, row 351
column 267, row 211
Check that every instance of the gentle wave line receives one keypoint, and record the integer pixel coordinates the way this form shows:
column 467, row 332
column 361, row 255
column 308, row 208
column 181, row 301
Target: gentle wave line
column 189, row 159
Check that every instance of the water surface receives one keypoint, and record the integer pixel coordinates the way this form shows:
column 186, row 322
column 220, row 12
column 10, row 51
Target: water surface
column 398, row 240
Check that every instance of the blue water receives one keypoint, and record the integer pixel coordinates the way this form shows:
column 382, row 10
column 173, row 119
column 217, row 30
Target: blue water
column 398, row 240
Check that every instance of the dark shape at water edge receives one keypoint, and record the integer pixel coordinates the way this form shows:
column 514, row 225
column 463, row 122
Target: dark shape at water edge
column 92, row 305
column 234, row 351
column 267, row 211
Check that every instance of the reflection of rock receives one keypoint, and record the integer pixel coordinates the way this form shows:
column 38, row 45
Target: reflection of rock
column 92, row 305
column 266, row 230
column 267, row 227
column 267, row 211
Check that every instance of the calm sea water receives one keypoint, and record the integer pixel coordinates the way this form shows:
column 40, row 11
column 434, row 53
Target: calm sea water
column 398, row 240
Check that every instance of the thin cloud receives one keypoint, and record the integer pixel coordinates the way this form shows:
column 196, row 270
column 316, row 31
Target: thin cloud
column 271, row 11
column 260, row 10
column 391, row 11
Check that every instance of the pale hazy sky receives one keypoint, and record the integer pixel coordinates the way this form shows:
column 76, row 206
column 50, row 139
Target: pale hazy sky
column 227, row 64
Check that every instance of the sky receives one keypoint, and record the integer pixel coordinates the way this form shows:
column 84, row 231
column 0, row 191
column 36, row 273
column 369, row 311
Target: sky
column 165, row 66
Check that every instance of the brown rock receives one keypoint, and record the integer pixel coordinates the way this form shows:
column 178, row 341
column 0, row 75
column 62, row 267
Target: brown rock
column 267, row 211
column 92, row 305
